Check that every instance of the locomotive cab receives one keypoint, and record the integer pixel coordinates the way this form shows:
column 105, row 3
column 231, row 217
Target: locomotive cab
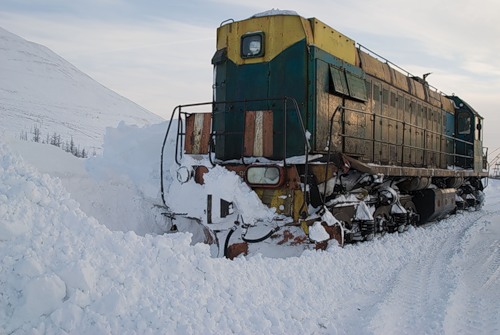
column 469, row 136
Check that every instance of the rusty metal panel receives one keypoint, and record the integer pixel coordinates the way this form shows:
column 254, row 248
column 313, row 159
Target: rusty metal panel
column 399, row 80
column 374, row 67
column 377, row 126
column 325, row 106
column 258, row 137
column 420, row 131
column 267, row 133
column 394, row 146
column 419, row 90
column 423, row 172
column 385, row 124
column 400, row 126
column 447, row 105
column 428, row 125
column 442, row 148
column 387, row 73
column 357, row 59
column 442, row 139
column 249, row 133
column 416, row 136
column 198, row 127
column 411, row 85
column 406, row 131
column 429, row 158
column 478, row 156
column 357, row 129
column 320, row 172
column 434, row 98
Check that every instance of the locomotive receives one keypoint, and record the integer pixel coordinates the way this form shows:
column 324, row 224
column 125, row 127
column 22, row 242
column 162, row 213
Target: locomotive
column 341, row 143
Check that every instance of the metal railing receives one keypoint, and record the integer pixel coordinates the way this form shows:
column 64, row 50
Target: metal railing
column 438, row 150
column 179, row 114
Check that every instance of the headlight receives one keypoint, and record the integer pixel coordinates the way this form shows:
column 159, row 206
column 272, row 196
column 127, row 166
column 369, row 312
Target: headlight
column 184, row 174
column 252, row 45
column 264, row 175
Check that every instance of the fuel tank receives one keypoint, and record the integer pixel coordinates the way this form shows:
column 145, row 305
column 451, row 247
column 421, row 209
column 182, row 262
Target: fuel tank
column 434, row 204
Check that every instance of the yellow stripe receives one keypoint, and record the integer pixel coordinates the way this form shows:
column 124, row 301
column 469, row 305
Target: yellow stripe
column 281, row 32
column 333, row 42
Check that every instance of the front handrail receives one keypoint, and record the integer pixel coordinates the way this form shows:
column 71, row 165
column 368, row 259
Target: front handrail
column 177, row 113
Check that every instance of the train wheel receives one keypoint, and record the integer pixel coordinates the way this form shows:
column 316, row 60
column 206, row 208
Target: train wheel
column 344, row 228
column 412, row 214
column 480, row 199
column 383, row 220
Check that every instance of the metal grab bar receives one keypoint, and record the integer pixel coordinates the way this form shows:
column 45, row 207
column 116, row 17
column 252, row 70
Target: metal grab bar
column 179, row 113
column 423, row 138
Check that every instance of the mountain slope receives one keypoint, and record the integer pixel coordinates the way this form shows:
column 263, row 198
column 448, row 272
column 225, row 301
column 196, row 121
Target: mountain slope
column 39, row 88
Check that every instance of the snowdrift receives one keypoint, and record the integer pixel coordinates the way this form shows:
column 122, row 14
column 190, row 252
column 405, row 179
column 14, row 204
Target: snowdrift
column 82, row 251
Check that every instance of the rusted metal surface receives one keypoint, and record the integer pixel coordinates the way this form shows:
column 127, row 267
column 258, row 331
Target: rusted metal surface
column 198, row 128
column 405, row 171
column 400, row 171
column 326, row 104
column 258, row 137
column 199, row 172
column 399, row 80
column 374, row 67
column 320, row 172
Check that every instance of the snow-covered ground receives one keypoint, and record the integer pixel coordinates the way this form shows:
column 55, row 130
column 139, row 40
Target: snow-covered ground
column 83, row 248
column 82, row 251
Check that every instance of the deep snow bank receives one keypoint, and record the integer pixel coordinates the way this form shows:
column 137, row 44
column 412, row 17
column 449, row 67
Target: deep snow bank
column 120, row 188
column 64, row 272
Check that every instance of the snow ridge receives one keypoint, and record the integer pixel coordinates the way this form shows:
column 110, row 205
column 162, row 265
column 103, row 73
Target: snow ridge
column 94, row 280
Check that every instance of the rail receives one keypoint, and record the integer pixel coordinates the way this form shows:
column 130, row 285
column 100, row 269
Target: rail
column 395, row 66
column 431, row 154
column 180, row 116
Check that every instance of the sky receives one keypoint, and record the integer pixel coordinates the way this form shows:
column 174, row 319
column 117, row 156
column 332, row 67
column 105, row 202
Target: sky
column 158, row 53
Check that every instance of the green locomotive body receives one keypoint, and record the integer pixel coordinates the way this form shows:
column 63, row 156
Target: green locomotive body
column 307, row 117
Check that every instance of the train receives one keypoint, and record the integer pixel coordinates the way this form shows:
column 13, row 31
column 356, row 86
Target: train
column 340, row 142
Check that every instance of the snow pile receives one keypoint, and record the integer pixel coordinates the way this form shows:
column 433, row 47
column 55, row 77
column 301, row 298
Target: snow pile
column 276, row 11
column 120, row 188
column 224, row 184
column 318, row 233
column 63, row 271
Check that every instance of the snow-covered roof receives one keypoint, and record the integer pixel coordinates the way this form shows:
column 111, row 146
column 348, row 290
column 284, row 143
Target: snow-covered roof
column 276, row 11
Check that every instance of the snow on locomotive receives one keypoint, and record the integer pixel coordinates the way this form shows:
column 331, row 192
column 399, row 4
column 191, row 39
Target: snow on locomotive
column 340, row 142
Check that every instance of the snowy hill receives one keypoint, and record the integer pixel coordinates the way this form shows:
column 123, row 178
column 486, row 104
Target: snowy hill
column 40, row 89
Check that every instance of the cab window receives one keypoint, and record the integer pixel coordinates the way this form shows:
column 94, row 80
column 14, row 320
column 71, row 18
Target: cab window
column 464, row 123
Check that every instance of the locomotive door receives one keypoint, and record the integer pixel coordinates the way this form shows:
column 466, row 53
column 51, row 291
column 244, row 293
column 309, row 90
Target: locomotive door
column 465, row 134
